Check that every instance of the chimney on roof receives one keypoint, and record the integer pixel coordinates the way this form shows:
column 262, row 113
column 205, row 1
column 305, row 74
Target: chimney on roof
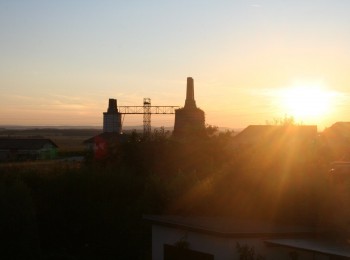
column 112, row 107
column 190, row 102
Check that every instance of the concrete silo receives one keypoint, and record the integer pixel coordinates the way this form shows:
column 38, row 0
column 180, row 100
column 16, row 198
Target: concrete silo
column 112, row 118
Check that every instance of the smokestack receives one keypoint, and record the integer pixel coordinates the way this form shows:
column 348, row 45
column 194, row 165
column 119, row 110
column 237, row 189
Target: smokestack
column 112, row 107
column 190, row 102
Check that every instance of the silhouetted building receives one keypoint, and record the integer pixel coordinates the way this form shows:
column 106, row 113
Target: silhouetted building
column 107, row 143
column 208, row 237
column 336, row 141
column 23, row 149
column 270, row 134
column 189, row 120
column 103, row 144
column 112, row 118
column 274, row 144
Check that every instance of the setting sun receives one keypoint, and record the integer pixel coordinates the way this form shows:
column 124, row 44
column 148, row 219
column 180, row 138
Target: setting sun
column 306, row 101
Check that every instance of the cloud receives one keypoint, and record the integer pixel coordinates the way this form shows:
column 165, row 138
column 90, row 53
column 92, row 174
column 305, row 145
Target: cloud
column 255, row 5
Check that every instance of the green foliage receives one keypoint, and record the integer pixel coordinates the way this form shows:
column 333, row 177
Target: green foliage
column 285, row 121
column 211, row 130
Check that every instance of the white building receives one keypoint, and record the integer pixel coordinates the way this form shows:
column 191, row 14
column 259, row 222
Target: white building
column 112, row 118
column 207, row 238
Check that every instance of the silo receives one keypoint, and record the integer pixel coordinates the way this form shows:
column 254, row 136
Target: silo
column 112, row 118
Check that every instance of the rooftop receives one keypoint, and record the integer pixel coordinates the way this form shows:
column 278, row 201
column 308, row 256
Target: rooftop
column 322, row 246
column 24, row 143
column 230, row 227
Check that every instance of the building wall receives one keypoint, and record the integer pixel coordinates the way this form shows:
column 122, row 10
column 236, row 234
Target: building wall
column 24, row 155
column 189, row 121
column 339, row 213
column 112, row 123
column 48, row 152
column 223, row 248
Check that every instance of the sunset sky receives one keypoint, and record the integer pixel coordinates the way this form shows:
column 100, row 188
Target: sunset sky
column 252, row 61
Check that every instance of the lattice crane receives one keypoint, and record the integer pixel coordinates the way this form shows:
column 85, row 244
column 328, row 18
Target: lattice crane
column 146, row 110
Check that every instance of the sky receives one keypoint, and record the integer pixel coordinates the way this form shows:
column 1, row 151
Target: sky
column 252, row 61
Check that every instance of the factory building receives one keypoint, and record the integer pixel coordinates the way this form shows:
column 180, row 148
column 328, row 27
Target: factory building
column 112, row 118
column 189, row 120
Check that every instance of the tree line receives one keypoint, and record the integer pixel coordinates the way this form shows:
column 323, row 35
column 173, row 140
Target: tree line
column 95, row 211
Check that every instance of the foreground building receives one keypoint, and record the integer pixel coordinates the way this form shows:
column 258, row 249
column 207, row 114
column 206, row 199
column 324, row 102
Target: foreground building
column 209, row 238
column 189, row 120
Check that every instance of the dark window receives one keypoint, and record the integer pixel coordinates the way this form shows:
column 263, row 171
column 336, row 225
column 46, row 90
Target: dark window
column 177, row 253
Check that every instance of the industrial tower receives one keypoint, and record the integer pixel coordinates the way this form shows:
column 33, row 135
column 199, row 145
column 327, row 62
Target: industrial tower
column 189, row 120
column 112, row 118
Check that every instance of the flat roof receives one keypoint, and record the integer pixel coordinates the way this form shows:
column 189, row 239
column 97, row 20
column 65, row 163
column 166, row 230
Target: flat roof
column 222, row 226
column 321, row 246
